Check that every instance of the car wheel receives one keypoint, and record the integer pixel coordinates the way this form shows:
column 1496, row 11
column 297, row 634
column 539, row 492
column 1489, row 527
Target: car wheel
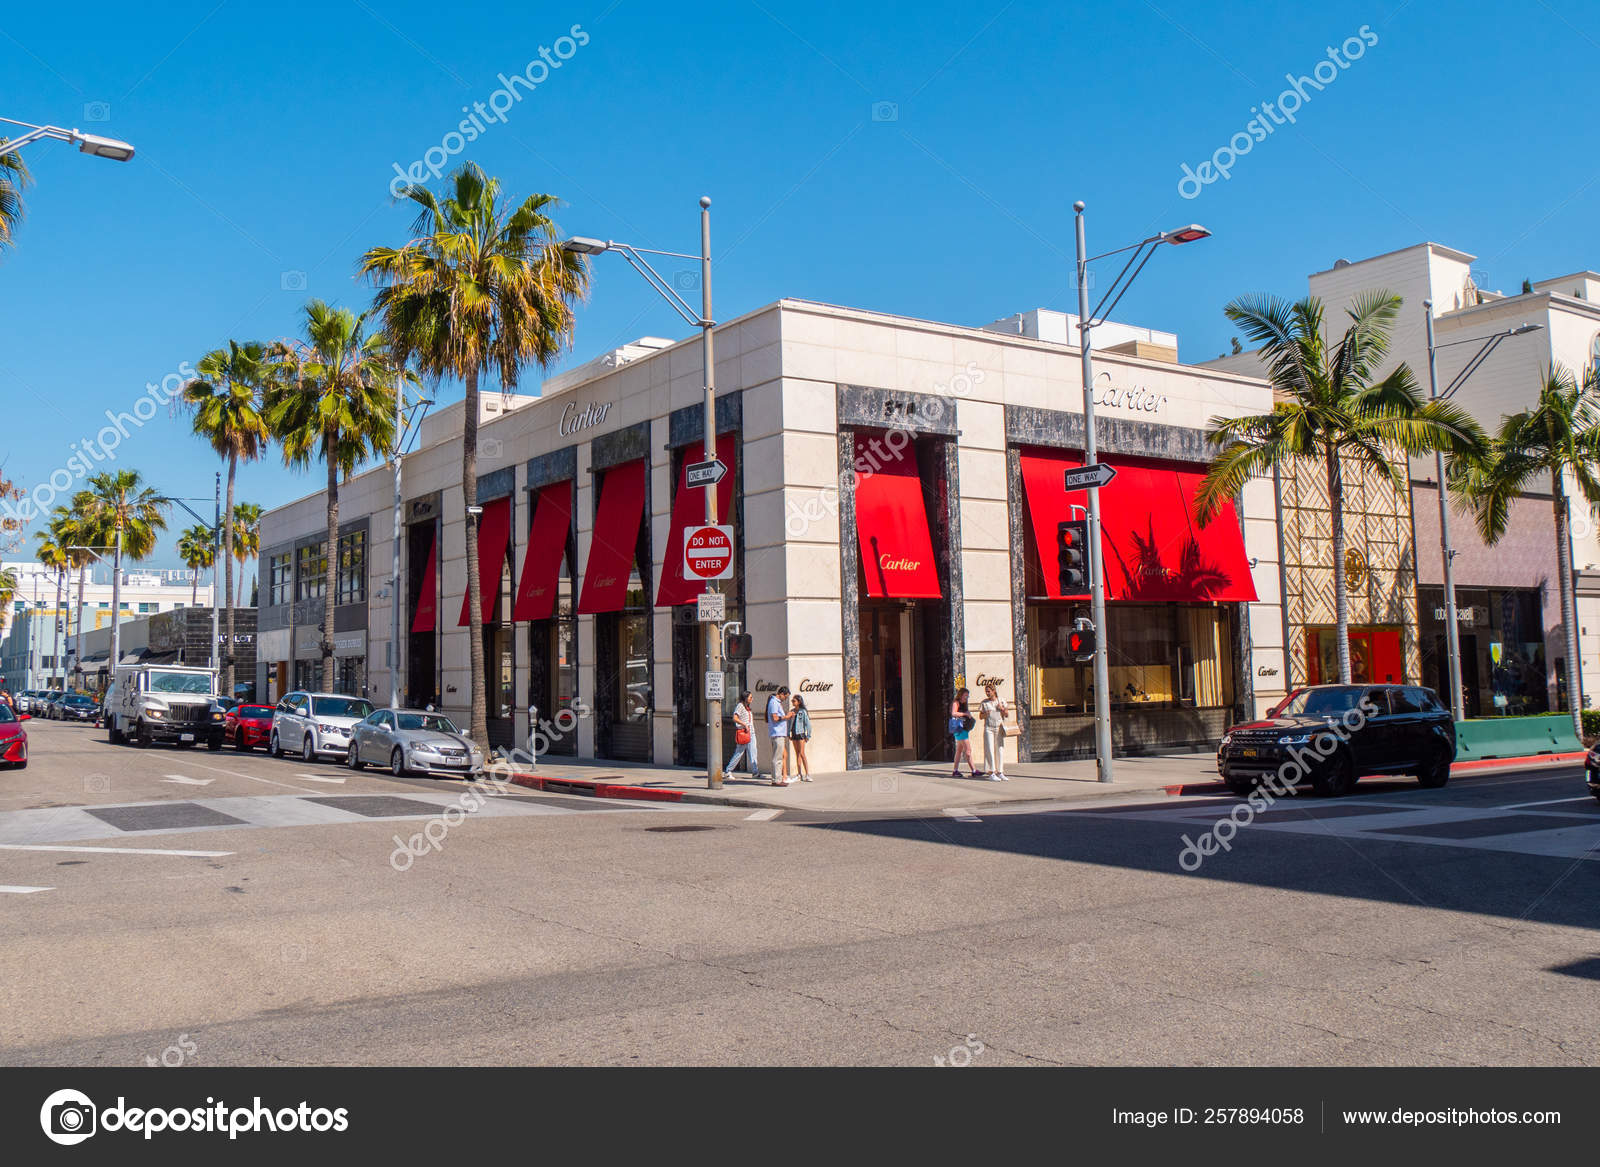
column 397, row 763
column 113, row 734
column 352, row 758
column 308, row 749
column 1338, row 779
column 274, row 746
column 1437, row 771
column 214, row 742
column 238, row 742
column 141, row 736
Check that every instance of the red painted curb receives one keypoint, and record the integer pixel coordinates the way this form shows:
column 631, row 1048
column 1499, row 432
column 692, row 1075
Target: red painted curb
column 596, row 789
column 1475, row 764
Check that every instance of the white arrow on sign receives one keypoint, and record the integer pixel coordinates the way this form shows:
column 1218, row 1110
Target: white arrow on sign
column 1086, row 476
column 705, row 473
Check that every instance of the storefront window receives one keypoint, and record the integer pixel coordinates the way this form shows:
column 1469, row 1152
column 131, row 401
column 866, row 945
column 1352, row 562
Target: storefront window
column 1504, row 668
column 633, row 640
column 1162, row 656
column 311, row 572
column 350, row 675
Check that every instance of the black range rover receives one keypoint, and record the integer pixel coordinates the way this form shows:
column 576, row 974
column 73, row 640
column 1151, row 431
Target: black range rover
column 1338, row 733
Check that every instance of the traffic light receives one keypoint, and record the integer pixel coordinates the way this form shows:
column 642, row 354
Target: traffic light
column 1080, row 641
column 1072, row 556
column 740, row 646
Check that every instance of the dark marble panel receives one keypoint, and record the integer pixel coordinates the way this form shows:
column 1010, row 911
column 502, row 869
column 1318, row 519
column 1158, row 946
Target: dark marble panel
column 915, row 413
column 687, row 425
column 619, row 446
column 1029, row 425
column 497, row 483
column 556, row 466
column 849, row 589
column 1016, row 516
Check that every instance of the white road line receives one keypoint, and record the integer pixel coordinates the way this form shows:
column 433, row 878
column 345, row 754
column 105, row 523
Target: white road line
column 1546, row 802
column 113, row 850
column 762, row 816
column 961, row 814
column 320, row 778
column 187, row 781
column 253, row 778
column 6, row 887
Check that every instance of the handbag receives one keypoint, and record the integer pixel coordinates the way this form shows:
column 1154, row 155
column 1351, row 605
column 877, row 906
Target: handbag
column 741, row 736
column 957, row 724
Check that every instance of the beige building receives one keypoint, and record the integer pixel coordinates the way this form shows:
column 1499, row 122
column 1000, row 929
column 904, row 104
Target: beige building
column 895, row 490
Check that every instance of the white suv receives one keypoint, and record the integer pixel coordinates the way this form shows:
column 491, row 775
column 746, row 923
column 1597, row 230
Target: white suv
column 315, row 724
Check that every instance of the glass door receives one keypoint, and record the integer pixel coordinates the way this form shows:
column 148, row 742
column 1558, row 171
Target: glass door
column 886, row 685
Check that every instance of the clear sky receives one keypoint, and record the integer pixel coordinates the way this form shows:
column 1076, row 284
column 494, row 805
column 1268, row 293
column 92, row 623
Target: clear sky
column 917, row 158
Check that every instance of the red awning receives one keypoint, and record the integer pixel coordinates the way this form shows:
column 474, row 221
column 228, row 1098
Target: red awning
column 616, row 534
column 428, row 600
column 494, row 529
column 892, row 523
column 547, row 543
column 1154, row 549
column 689, row 510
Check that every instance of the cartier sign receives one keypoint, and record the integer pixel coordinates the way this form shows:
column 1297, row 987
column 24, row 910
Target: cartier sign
column 1134, row 398
column 577, row 417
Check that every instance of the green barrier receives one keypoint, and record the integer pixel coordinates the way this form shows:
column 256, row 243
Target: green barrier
column 1515, row 737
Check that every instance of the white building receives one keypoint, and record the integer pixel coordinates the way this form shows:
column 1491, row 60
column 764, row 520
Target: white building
column 895, row 488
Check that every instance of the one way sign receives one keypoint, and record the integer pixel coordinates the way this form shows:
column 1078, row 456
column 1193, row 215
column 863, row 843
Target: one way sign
column 1086, row 476
column 706, row 473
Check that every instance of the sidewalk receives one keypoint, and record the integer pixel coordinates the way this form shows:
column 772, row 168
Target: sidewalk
column 919, row 787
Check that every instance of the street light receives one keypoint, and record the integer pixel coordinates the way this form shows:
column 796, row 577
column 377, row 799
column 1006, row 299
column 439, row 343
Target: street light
column 77, row 648
column 1140, row 255
column 402, row 436
column 93, row 144
column 582, row 245
column 1452, row 634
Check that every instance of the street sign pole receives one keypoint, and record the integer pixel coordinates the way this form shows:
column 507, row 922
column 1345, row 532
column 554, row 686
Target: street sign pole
column 1097, row 575
column 713, row 643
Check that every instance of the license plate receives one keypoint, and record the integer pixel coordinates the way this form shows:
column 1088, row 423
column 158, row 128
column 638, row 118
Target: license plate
column 186, row 737
column 1248, row 752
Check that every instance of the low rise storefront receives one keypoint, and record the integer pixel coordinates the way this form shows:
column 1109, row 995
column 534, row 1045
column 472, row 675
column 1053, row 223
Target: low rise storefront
column 895, row 487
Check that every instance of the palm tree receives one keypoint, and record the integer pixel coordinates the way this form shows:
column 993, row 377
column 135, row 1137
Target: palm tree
column 13, row 177
column 119, row 511
column 482, row 287
column 1330, row 412
column 8, row 592
column 1558, row 436
column 333, row 401
column 198, row 552
column 246, row 532
column 52, row 553
column 228, row 403
column 75, row 541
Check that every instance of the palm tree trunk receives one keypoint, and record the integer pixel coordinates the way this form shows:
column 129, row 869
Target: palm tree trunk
column 227, row 586
column 77, row 647
column 194, row 585
column 469, row 491
column 1341, row 596
column 331, row 581
column 1569, row 611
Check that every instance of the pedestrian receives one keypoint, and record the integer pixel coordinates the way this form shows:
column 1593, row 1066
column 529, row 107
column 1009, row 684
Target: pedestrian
column 744, row 736
column 778, row 733
column 961, row 724
column 800, row 734
column 994, row 714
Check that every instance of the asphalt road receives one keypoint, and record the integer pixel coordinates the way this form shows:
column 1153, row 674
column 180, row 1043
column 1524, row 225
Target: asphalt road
column 219, row 909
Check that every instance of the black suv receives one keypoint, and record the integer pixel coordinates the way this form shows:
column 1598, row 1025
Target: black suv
column 1336, row 733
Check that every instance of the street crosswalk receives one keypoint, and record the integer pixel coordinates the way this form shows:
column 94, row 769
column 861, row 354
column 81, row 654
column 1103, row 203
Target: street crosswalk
column 1567, row 827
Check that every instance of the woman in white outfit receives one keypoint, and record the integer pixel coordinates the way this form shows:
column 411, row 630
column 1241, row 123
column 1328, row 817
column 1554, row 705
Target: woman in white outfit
column 744, row 724
column 993, row 712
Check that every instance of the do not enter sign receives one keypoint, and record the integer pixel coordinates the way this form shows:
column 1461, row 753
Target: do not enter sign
column 708, row 552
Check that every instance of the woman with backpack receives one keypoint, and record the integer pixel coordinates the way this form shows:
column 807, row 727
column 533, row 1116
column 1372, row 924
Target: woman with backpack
column 800, row 734
column 961, row 724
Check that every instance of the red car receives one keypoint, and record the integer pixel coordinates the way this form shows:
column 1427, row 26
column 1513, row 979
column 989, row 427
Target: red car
column 247, row 726
column 13, row 739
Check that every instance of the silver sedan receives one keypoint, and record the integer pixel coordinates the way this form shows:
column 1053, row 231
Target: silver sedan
column 412, row 741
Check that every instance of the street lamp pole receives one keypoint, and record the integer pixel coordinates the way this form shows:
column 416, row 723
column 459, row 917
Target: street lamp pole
column 95, row 144
column 1452, row 632
column 702, row 320
column 401, row 427
column 1087, row 319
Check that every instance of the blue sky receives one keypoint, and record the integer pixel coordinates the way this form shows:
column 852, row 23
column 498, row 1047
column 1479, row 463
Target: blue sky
column 912, row 158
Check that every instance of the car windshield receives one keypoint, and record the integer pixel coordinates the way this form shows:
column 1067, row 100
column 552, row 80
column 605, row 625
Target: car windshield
column 6, row 716
column 180, row 683
column 1321, row 703
column 250, row 711
column 340, row 706
column 432, row 722
column 80, row 699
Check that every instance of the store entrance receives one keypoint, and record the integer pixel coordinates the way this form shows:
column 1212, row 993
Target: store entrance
column 888, row 688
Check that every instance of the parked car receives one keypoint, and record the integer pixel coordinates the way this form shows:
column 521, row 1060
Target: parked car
column 24, row 700
column 315, row 724
column 412, row 741
column 1591, row 770
column 248, row 726
column 13, row 739
column 75, row 707
column 1338, row 733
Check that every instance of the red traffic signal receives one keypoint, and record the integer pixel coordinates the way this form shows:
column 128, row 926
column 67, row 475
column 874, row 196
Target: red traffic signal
column 1072, row 557
column 1080, row 643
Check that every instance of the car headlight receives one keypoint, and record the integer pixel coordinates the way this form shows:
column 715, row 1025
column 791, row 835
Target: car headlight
column 155, row 714
column 329, row 728
column 1226, row 738
column 1295, row 739
column 216, row 717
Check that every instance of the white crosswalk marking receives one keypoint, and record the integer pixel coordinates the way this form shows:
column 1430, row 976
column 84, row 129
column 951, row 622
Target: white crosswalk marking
column 762, row 816
column 22, row 891
column 114, row 850
column 1546, row 802
column 187, row 781
column 321, row 778
column 961, row 814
